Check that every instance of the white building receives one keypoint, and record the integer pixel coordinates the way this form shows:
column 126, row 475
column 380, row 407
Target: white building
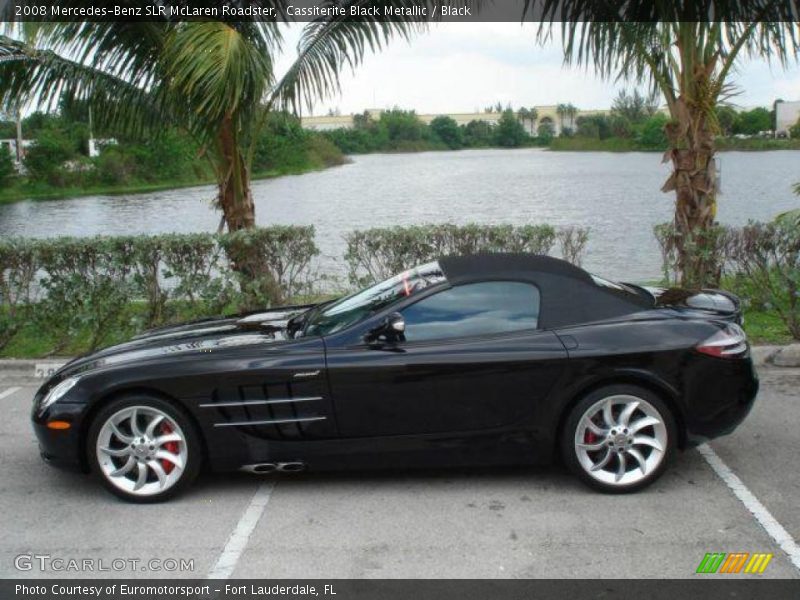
column 786, row 115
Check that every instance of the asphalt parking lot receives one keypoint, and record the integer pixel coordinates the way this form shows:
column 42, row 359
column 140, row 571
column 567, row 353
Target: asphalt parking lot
column 444, row 523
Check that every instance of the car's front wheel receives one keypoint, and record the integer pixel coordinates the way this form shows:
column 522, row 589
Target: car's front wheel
column 619, row 438
column 143, row 448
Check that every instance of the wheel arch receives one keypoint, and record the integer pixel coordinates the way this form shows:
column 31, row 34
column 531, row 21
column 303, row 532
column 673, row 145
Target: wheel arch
column 110, row 396
column 648, row 382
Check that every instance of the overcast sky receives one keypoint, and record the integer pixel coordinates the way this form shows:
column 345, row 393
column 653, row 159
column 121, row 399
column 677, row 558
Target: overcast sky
column 463, row 67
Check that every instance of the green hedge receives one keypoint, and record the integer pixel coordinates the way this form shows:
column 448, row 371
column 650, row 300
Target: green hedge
column 86, row 286
column 375, row 254
column 77, row 294
column 760, row 262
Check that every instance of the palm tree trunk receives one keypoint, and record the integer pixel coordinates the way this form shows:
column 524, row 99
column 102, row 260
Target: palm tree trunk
column 694, row 180
column 257, row 283
column 235, row 197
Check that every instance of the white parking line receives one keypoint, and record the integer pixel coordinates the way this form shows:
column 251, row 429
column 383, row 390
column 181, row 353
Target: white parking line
column 9, row 392
column 226, row 563
column 775, row 530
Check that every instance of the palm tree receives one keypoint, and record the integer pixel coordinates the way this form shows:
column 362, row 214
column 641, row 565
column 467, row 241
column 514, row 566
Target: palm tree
column 523, row 115
column 570, row 111
column 561, row 111
column 689, row 61
column 214, row 79
column 533, row 115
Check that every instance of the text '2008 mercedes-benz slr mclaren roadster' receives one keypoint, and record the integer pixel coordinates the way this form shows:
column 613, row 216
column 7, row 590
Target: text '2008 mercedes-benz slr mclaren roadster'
column 473, row 360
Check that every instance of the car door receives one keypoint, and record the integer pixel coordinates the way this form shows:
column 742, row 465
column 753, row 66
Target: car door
column 472, row 359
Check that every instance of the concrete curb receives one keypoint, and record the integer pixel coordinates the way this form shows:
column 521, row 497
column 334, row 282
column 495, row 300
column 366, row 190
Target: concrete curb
column 36, row 370
column 777, row 356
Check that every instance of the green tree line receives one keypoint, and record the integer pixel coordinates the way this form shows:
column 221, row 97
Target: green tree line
column 58, row 161
column 399, row 130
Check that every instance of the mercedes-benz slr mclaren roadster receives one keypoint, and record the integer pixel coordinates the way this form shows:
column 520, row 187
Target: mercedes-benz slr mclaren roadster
column 476, row 360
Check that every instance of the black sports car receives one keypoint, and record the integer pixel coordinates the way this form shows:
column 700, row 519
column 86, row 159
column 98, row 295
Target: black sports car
column 498, row 358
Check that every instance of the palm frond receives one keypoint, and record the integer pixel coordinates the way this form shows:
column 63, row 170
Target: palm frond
column 32, row 75
column 328, row 45
column 217, row 71
column 662, row 43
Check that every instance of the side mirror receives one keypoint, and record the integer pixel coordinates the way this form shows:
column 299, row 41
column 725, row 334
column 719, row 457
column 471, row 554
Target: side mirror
column 392, row 328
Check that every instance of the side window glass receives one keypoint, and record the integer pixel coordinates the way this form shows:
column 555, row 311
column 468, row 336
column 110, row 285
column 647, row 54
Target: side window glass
column 473, row 309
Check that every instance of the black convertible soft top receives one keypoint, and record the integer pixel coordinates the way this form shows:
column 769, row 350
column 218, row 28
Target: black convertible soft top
column 518, row 266
column 569, row 295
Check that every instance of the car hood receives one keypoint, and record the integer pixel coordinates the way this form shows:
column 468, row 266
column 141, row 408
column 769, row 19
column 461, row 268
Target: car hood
column 206, row 335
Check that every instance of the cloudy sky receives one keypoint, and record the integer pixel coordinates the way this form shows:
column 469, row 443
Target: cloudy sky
column 463, row 67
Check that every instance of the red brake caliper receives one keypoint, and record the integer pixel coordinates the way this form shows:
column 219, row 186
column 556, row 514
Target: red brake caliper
column 590, row 437
column 171, row 447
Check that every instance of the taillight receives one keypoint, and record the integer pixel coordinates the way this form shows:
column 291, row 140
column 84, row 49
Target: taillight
column 729, row 342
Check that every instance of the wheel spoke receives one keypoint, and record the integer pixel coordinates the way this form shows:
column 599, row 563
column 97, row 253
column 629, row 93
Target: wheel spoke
column 639, row 459
column 626, row 414
column 603, row 462
column 142, row 478
column 608, row 415
column 135, row 423
column 643, row 440
column 159, row 471
column 594, row 427
column 623, row 466
column 593, row 447
column 117, row 452
column 124, row 468
column 642, row 423
column 174, row 459
column 169, row 437
column 151, row 427
column 126, row 439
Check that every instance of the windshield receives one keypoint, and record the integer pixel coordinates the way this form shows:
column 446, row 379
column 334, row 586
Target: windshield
column 356, row 307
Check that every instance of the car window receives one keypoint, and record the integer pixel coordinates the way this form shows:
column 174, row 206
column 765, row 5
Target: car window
column 351, row 309
column 473, row 309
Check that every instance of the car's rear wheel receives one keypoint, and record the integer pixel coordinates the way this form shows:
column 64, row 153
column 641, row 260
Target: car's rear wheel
column 619, row 438
column 143, row 448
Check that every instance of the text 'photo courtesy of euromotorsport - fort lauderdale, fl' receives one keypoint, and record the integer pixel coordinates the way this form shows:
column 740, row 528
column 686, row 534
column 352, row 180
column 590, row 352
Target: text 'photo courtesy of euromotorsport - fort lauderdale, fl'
column 356, row 299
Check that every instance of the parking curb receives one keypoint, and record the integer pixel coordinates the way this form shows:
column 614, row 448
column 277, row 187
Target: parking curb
column 777, row 356
column 35, row 370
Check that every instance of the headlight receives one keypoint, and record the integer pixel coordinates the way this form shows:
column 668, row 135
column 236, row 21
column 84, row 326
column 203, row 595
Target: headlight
column 58, row 392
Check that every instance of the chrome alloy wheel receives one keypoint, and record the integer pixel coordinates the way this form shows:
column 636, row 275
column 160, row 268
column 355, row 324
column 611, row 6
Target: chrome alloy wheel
column 620, row 440
column 141, row 450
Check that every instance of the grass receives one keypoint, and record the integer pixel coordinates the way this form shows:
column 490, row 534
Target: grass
column 614, row 144
column 757, row 144
column 33, row 341
column 765, row 328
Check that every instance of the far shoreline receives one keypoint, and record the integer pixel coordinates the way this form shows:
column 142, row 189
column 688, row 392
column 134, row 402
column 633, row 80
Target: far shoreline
column 561, row 145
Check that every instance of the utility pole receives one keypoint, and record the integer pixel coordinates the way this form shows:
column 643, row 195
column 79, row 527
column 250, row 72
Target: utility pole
column 20, row 151
column 92, row 146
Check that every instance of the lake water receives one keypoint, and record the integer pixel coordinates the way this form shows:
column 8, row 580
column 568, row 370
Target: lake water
column 617, row 195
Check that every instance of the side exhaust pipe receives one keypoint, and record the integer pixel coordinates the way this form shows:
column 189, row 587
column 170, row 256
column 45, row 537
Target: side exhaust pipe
column 265, row 468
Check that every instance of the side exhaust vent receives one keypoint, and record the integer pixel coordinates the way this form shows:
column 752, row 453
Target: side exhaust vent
column 265, row 468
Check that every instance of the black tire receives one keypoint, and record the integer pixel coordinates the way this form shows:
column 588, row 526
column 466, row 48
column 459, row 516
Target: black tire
column 191, row 438
column 571, row 453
